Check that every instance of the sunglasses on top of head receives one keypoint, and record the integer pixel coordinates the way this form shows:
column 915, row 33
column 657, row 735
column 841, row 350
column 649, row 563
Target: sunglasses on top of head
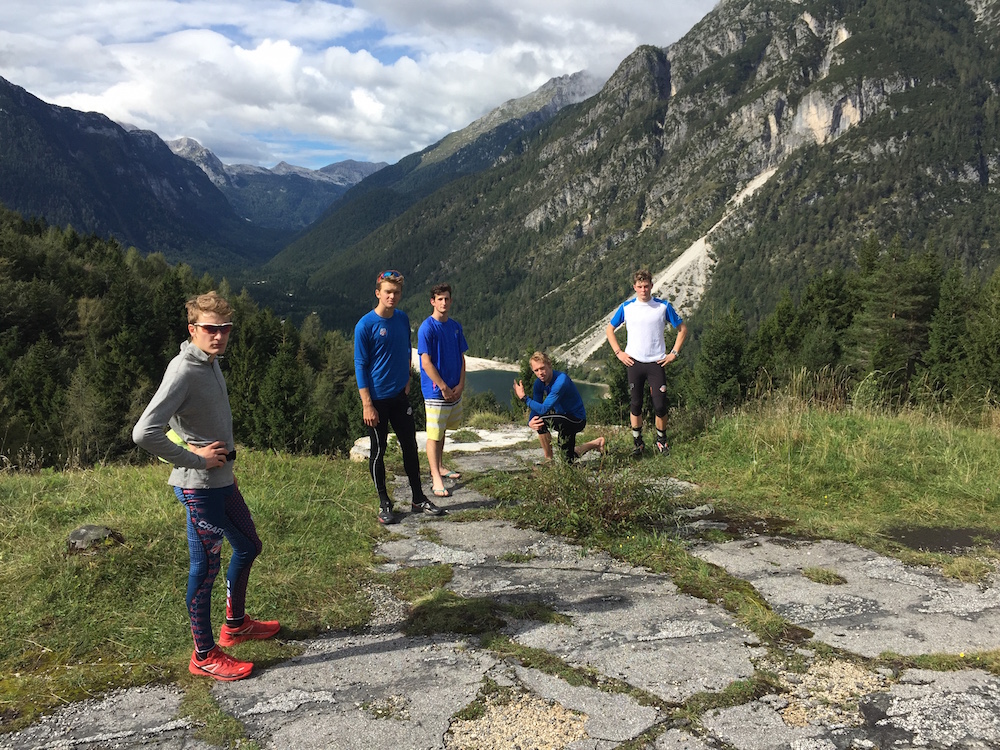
column 390, row 276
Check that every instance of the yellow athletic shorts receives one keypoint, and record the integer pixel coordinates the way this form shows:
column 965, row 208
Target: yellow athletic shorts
column 442, row 415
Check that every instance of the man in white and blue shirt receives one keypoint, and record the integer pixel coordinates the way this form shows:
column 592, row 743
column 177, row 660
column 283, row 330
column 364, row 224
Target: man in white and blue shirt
column 645, row 318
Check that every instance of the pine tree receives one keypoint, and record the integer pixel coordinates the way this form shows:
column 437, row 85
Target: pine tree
column 773, row 347
column 279, row 417
column 983, row 338
column 721, row 374
column 334, row 401
column 946, row 362
column 257, row 335
column 889, row 332
column 32, row 403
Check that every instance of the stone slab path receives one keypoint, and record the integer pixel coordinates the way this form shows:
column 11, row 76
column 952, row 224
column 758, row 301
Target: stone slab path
column 653, row 646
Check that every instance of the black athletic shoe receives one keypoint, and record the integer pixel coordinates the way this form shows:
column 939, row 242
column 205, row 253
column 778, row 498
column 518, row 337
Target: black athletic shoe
column 386, row 516
column 638, row 449
column 426, row 506
column 662, row 448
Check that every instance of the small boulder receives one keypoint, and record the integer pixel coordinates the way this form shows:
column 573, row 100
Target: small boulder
column 361, row 449
column 90, row 538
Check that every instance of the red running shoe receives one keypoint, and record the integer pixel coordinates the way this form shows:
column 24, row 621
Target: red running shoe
column 219, row 666
column 250, row 630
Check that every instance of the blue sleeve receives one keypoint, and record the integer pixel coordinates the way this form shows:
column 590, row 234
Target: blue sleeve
column 462, row 346
column 675, row 319
column 362, row 368
column 539, row 408
column 536, row 394
column 424, row 339
column 619, row 317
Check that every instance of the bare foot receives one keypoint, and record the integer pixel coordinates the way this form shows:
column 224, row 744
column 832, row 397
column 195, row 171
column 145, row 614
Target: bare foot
column 596, row 444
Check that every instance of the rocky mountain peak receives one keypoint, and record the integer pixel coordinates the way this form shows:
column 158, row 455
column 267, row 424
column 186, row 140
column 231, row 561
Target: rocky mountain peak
column 545, row 101
column 641, row 78
column 210, row 164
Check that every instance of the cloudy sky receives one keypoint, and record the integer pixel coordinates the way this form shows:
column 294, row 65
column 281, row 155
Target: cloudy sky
column 314, row 82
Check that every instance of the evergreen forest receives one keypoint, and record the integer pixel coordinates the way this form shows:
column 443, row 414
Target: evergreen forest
column 87, row 328
column 899, row 328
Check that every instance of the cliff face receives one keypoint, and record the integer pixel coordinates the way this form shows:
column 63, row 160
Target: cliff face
column 775, row 99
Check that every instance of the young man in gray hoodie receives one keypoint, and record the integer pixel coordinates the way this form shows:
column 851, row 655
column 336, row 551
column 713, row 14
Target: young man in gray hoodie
column 192, row 402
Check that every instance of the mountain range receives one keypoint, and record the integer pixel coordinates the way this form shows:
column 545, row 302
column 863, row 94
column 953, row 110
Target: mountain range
column 775, row 136
column 180, row 199
column 756, row 152
column 285, row 197
column 386, row 196
column 84, row 170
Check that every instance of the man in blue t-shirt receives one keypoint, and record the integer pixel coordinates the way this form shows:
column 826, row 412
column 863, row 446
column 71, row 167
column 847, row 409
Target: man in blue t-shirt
column 382, row 369
column 645, row 318
column 555, row 403
column 441, row 347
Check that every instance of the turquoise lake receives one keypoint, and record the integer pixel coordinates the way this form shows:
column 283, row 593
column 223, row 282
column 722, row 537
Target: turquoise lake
column 501, row 383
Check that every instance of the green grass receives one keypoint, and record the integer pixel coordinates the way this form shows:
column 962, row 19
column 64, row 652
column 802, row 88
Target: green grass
column 988, row 661
column 735, row 694
column 847, row 475
column 411, row 584
column 824, row 576
column 82, row 624
column 464, row 436
column 218, row 727
column 488, row 420
column 517, row 557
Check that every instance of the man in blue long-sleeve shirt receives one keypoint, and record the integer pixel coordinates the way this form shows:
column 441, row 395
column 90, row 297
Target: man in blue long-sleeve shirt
column 555, row 403
column 382, row 369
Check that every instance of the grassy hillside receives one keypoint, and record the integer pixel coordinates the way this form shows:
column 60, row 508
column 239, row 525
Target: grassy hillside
column 86, row 623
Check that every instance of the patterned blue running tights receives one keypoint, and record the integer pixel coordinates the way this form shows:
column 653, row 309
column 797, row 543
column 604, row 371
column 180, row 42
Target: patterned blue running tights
column 211, row 515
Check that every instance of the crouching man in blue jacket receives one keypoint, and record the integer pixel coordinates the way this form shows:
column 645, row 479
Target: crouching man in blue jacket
column 555, row 404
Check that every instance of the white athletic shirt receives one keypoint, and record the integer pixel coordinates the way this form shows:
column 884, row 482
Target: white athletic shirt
column 645, row 323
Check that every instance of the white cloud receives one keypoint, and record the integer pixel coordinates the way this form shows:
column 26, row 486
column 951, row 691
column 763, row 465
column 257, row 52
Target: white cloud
column 313, row 82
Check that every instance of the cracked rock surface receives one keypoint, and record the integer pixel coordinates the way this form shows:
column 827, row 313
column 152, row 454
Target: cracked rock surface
column 646, row 646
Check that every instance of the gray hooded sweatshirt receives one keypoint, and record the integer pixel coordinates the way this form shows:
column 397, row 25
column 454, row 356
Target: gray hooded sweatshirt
column 193, row 400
